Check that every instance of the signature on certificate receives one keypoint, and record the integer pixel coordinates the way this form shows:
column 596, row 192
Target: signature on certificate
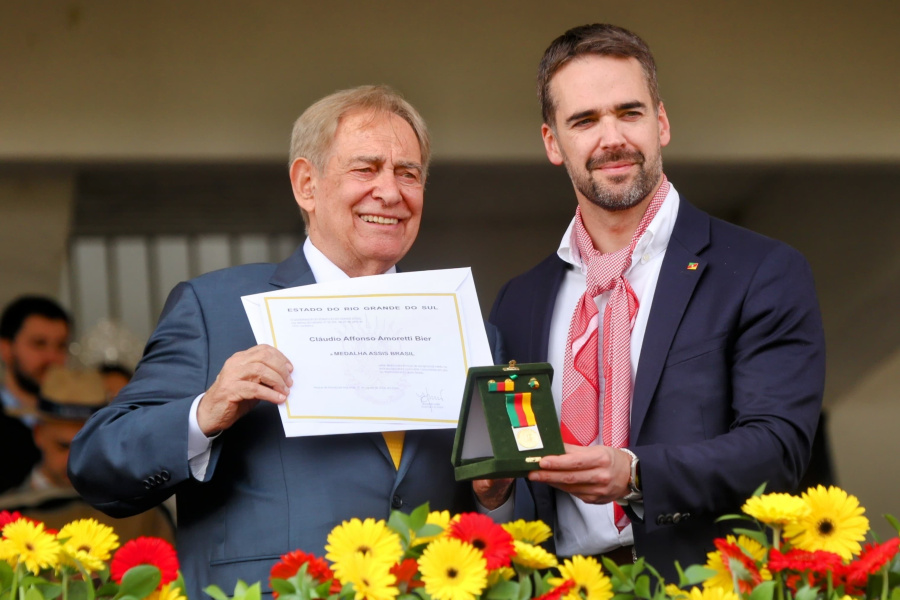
column 432, row 401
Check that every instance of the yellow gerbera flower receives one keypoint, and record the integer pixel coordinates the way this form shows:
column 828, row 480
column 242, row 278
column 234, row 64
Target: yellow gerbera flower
column 366, row 537
column 776, row 509
column 721, row 565
column 453, row 570
column 27, row 543
column 533, row 557
column 533, row 532
column 676, row 593
column 440, row 518
column 590, row 582
column 169, row 591
column 88, row 543
column 501, row 574
column 371, row 579
column 835, row 523
column 713, row 593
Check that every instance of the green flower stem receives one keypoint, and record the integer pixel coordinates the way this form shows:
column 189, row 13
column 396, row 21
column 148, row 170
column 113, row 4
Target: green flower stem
column 65, row 584
column 884, row 582
column 88, row 580
column 13, row 589
column 830, row 584
column 776, row 537
column 779, row 585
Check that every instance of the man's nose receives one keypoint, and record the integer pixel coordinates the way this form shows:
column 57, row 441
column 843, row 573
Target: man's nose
column 611, row 135
column 386, row 189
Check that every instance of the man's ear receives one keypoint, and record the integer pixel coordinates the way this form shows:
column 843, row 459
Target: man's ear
column 5, row 351
column 551, row 145
column 665, row 131
column 303, row 182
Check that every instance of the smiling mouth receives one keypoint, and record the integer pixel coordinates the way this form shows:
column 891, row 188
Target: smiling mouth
column 379, row 220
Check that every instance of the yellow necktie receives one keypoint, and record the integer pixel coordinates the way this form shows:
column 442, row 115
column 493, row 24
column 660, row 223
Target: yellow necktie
column 394, row 441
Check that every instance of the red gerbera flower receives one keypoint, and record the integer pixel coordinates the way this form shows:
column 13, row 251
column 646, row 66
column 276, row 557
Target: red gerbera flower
column 870, row 561
column 479, row 530
column 7, row 517
column 404, row 572
column 316, row 567
column 732, row 552
column 819, row 561
column 559, row 591
column 145, row 551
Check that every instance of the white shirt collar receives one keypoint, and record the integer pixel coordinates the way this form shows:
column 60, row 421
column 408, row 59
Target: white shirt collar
column 323, row 269
column 654, row 240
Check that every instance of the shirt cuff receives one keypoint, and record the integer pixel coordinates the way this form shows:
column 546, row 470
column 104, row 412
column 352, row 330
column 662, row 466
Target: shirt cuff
column 199, row 446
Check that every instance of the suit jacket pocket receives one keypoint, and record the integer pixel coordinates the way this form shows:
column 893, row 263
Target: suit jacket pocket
column 683, row 353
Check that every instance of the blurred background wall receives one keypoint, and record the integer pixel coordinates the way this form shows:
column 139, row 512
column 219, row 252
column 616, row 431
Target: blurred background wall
column 144, row 143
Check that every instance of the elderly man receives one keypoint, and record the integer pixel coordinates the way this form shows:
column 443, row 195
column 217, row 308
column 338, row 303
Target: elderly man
column 689, row 352
column 200, row 416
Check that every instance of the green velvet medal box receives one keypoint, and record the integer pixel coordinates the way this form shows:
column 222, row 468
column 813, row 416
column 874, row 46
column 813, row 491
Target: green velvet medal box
column 507, row 422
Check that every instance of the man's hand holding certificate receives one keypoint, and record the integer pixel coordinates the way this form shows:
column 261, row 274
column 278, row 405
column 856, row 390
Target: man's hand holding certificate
column 380, row 353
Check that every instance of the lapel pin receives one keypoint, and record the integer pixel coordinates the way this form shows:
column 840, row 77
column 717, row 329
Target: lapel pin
column 692, row 266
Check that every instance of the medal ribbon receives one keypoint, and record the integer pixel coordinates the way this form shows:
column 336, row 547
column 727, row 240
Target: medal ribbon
column 518, row 407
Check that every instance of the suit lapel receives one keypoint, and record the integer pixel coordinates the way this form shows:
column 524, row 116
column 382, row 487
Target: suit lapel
column 543, row 303
column 681, row 270
column 293, row 271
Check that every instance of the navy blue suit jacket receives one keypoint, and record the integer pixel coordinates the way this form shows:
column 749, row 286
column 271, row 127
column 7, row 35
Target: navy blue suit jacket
column 264, row 494
column 729, row 383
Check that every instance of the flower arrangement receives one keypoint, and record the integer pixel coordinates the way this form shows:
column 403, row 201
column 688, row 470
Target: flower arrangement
column 83, row 561
column 806, row 547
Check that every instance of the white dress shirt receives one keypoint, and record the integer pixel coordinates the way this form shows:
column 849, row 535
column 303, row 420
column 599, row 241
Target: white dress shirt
column 199, row 444
column 590, row 528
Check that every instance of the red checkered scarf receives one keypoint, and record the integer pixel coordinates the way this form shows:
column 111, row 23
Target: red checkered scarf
column 581, row 382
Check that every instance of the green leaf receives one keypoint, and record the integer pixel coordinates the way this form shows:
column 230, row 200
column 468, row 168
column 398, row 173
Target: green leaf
column 399, row 523
column 140, row 581
column 418, row 517
column 642, row 587
column 504, row 590
column 525, row 588
column 6, row 575
column 696, row 574
column 893, row 521
column 78, row 590
column 764, row 591
column 806, row 593
column 895, row 595
column 33, row 594
column 761, row 489
column 733, row 517
column 110, row 588
column 757, row 536
column 216, row 592
column 282, row 586
column 50, row 591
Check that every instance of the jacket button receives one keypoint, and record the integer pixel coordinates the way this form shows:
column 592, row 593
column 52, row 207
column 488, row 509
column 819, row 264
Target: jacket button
column 660, row 519
column 676, row 518
column 669, row 519
column 164, row 475
column 685, row 516
column 147, row 484
column 396, row 502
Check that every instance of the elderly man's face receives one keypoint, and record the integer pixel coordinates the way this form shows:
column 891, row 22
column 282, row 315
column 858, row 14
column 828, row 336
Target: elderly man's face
column 366, row 206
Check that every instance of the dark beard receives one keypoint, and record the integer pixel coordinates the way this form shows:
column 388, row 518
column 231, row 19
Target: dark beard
column 25, row 382
column 608, row 199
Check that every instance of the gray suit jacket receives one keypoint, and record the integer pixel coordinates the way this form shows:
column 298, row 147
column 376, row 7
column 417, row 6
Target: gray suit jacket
column 264, row 494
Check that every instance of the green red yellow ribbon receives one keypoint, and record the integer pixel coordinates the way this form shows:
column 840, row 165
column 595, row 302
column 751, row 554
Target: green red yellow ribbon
column 518, row 407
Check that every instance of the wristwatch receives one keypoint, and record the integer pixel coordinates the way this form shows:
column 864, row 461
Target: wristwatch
column 634, row 481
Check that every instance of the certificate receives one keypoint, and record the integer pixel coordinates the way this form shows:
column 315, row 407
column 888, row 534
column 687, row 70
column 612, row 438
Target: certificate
column 381, row 353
